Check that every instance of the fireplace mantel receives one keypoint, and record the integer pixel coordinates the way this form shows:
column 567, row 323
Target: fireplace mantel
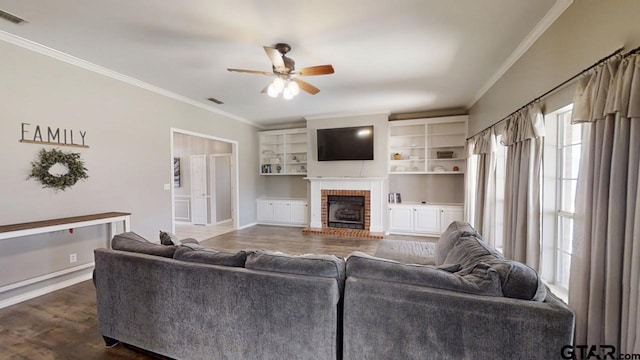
column 375, row 185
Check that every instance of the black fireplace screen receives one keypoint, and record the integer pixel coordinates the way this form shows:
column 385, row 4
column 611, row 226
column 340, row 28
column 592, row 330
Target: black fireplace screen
column 345, row 211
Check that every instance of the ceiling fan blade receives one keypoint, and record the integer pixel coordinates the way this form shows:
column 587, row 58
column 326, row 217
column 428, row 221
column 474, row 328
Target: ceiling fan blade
column 251, row 71
column 276, row 58
column 306, row 86
column 315, row 70
column 266, row 88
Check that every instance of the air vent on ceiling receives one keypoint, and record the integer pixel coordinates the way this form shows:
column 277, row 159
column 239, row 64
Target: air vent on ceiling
column 9, row 17
column 215, row 101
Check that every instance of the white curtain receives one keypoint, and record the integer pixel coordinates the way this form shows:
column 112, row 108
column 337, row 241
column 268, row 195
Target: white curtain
column 481, row 184
column 523, row 135
column 605, row 266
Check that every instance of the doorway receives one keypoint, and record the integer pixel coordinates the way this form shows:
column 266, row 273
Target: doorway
column 205, row 192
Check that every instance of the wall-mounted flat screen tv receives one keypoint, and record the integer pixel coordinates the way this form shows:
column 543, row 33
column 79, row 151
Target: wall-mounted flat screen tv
column 348, row 143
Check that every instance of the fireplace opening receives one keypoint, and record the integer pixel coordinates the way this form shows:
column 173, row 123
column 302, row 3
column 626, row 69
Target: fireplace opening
column 345, row 211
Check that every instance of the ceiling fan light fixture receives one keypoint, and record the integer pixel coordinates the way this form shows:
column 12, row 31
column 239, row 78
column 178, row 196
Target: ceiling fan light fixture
column 287, row 94
column 293, row 87
column 278, row 83
column 272, row 91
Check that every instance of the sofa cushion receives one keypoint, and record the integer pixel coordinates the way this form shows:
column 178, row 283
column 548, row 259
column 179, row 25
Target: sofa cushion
column 328, row 266
column 518, row 280
column 481, row 280
column 446, row 241
column 133, row 242
column 408, row 252
column 200, row 254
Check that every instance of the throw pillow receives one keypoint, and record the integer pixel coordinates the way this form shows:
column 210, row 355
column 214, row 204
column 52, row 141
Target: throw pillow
column 133, row 242
column 189, row 241
column 517, row 280
column 196, row 253
column 469, row 250
column 447, row 240
column 520, row 281
column 167, row 238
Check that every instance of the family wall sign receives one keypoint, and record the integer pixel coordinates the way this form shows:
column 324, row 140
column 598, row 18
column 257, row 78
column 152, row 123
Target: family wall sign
column 53, row 136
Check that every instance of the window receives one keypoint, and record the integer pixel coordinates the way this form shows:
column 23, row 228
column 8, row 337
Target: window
column 501, row 177
column 568, row 161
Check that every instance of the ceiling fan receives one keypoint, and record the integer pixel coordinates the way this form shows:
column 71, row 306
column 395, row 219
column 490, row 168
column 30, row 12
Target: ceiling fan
column 286, row 76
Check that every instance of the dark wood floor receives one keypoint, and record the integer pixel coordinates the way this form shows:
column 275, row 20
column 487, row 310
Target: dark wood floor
column 63, row 324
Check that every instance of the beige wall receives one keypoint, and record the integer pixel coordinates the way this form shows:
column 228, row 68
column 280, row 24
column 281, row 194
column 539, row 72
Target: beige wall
column 288, row 186
column 129, row 159
column 586, row 32
column 429, row 188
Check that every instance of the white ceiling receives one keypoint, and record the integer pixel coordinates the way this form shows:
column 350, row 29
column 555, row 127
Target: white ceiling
column 393, row 56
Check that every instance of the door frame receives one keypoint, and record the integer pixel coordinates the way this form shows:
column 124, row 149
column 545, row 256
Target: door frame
column 235, row 193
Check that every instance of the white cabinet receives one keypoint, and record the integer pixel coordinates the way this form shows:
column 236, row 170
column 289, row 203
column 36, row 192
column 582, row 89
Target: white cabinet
column 449, row 214
column 265, row 210
column 299, row 212
column 422, row 219
column 401, row 218
column 427, row 146
column 274, row 211
column 426, row 219
column 283, row 152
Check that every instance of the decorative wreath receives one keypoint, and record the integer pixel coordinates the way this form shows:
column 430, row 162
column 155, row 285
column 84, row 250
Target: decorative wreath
column 48, row 158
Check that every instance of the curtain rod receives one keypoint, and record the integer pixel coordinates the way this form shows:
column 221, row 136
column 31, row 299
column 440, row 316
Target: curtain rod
column 604, row 59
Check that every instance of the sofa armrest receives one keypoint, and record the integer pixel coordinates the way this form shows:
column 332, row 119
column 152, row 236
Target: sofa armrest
column 386, row 320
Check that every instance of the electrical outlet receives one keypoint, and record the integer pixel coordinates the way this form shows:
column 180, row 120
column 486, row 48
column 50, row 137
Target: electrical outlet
column 73, row 258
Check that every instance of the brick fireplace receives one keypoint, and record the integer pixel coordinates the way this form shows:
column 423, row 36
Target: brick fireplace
column 349, row 201
column 348, row 224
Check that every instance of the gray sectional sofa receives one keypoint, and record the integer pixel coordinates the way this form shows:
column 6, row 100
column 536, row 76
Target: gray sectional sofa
column 190, row 302
column 468, row 302
column 173, row 301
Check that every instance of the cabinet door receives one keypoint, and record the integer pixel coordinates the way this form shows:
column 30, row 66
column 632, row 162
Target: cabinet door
column 401, row 218
column 427, row 219
column 265, row 210
column 282, row 211
column 449, row 215
column 298, row 213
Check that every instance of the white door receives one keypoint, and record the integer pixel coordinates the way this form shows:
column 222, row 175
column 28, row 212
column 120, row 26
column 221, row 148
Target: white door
column 199, row 189
column 401, row 218
column 427, row 219
column 449, row 215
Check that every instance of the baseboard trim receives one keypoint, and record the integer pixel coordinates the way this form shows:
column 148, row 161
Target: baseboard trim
column 224, row 221
column 47, row 289
column 282, row 224
column 246, row 226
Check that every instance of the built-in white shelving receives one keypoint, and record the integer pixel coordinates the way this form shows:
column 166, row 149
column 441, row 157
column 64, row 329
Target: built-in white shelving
column 283, row 152
column 428, row 146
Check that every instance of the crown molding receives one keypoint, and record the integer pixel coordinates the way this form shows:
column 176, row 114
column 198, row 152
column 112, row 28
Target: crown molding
column 344, row 115
column 549, row 18
column 69, row 59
